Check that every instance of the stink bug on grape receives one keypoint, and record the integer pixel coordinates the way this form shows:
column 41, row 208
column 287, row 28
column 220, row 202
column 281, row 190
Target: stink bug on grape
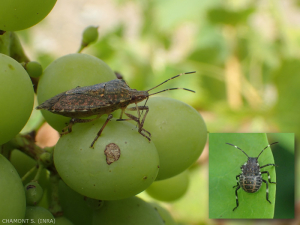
column 251, row 177
column 103, row 98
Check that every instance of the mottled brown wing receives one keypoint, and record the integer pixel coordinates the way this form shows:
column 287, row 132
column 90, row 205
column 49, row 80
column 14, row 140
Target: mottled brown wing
column 79, row 102
column 76, row 99
column 97, row 99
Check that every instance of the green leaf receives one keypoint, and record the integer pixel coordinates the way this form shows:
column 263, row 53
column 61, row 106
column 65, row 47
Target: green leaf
column 224, row 16
column 224, row 165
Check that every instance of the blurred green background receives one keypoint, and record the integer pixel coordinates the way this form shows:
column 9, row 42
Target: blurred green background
column 246, row 54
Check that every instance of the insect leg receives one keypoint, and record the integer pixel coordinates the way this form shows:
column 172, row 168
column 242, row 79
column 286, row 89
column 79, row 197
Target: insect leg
column 237, row 181
column 132, row 117
column 137, row 119
column 102, row 128
column 267, row 165
column 141, row 124
column 122, row 112
column 236, row 197
column 269, row 178
column 143, row 120
column 68, row 129
column 267, row 190
column 137, row 108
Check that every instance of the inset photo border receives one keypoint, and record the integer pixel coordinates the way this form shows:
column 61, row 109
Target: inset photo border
column 238, row 182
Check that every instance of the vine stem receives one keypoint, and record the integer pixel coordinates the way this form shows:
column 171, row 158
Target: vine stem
column 29, row 172
column 26, row 144
column 55, row 207
column 40, row 168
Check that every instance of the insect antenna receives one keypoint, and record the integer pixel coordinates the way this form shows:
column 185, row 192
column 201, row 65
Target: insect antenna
column 238, row 148
column 170, row 89
column 169, row 80
column 266, row 147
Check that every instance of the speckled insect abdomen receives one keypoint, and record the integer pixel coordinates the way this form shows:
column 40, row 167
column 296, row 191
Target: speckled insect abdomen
column 250, row 184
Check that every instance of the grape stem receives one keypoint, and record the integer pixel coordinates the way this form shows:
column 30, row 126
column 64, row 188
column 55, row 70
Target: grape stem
column 55, row 207
column 28, row 173
column 16, row 49
column 26, row 144
column 10, row 45
column 40, row 168
column 82, row 46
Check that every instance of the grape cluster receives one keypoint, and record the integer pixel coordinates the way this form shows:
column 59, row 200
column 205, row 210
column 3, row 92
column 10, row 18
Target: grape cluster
column 72, row 183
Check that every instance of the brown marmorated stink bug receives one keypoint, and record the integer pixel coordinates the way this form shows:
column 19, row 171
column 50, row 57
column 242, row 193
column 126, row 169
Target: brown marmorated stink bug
column 99, row 99
column 251, row 176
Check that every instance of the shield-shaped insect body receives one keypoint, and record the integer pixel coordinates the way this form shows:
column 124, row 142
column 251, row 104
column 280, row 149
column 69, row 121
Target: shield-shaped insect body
column 100, row 99
column 250, row 179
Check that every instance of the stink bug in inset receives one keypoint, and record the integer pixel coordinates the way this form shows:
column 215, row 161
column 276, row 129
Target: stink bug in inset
column 251, row 178
column 103, row 98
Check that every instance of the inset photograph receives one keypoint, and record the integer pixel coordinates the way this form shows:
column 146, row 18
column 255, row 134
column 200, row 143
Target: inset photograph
column 251, row 176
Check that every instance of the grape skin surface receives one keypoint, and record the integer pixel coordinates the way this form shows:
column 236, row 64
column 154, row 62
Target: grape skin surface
column 16, row 100
column 74, row 206
column 170, row 189
column 34, row 69
column 18, row 14
column 178, row 132
column 131, row 210
column 34, row 193
column 12, row 194
column 90, row 34
column 86, row 170
column 36, row 213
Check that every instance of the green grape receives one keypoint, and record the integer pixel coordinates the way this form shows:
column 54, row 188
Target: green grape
column 131, row 210
column 93, row 203
column 169, row 189
column 38, row 215
column 23, row 163
column 34, row 193
column 12, row 195
column 178, row 132
column 63, row 221
column 74, row 206
column 19, row 14
column 34, row 69
column 99, row 173
column 165, row 215
column 90, row 34
column 16, row 100
column 66, row 73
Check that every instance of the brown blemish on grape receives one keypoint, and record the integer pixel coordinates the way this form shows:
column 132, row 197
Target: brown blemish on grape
column 145, row 178
column 112, row 153
column 30, row 186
